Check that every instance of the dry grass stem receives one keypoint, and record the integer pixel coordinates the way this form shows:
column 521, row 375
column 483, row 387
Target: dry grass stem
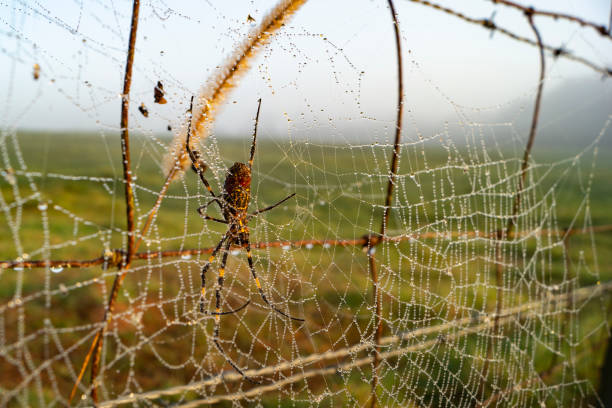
column 223, row 81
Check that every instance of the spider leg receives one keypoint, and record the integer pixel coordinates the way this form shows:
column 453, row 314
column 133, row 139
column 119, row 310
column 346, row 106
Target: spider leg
column 234, row 310
column 229, row 360
column 254, row 135
column 220, row 281
column 257, row 282
column 271, row 206
column 205, row 269
column 207, row 217
column 218, row 314
column 197, row 164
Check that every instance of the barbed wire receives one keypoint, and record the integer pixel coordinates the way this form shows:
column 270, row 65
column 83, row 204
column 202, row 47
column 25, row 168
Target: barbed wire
column 490, row 25
column 115, row 257
column 599, row 28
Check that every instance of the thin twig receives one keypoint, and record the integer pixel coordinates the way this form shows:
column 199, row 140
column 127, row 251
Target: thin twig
column 532, row 131
column 490, row 25
column 129, row 195
column 153, row 212
column 129, row 201
column 398, row 126
column 600, row 29
column 517, row 200
column 378, row 329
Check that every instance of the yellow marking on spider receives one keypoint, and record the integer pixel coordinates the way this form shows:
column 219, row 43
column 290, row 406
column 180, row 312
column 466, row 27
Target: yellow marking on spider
column 217, row 316
column 249, row 254
column 221, row 272
column 211, row 258
column 203, row 291
column 257, row 283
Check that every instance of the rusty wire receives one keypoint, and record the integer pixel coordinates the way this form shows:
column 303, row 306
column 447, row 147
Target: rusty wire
column 113, row 258
column 490, row 25
column 599, row 28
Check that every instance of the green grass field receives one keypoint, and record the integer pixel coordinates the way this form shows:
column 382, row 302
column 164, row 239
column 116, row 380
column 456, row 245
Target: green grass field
column 339, row 195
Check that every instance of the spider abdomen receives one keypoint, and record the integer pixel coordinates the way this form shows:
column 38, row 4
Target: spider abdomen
column 237, row 188
column 238, row 199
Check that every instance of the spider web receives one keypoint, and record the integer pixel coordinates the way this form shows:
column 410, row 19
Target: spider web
column 468, row 318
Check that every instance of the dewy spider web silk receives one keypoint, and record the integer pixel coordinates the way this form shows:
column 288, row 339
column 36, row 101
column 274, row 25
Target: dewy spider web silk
column 471, row 314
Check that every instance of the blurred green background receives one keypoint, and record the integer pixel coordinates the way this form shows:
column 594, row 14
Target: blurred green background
column 62, row 198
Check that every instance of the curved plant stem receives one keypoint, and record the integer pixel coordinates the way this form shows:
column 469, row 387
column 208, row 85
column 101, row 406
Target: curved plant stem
column 378, row 328
column 511, row 226
column 96, row 347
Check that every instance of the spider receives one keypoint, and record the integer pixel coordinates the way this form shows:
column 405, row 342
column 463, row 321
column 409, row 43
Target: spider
column 233, row 203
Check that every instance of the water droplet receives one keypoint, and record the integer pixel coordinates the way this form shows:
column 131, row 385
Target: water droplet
column 326, row 245
column 286, row 247
column 42, row 206
column 235, row 252
column 186, row 257
column 309, row 246
column 57, row 269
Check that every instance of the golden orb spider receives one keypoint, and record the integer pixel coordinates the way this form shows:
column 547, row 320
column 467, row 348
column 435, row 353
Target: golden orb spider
column 234, row 204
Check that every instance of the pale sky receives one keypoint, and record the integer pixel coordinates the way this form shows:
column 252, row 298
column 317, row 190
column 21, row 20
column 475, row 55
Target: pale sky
column 331, row 69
